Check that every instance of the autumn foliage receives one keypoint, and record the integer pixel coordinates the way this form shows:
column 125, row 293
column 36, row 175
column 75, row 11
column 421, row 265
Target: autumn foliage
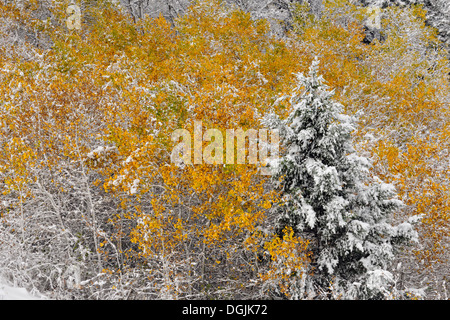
column 91, row 205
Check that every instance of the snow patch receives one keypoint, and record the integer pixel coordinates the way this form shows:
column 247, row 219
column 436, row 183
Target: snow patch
column 10, row 293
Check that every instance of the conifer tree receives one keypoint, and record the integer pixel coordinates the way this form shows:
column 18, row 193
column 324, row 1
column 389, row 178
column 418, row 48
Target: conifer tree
column 331, row 198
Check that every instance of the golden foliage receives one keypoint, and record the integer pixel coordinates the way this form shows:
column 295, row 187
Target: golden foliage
column 127, row 87
column 289, row 262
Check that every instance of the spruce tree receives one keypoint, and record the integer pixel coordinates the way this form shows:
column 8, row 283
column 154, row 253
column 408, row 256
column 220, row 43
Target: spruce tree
column 330, row 197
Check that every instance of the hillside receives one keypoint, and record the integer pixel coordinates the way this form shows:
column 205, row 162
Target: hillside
column 225, row 149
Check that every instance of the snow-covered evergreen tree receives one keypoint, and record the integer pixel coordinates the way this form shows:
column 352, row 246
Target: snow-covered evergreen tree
column 330, row 197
